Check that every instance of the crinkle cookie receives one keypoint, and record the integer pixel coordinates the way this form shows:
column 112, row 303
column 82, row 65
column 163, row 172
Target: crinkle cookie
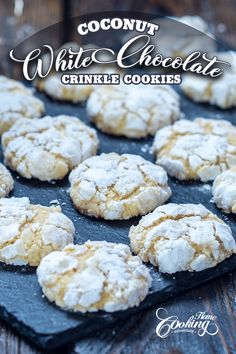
column 179, row 237
column 48, row 148
column 94, row 276
column 54, row 88
column 16, row 105
column 220, row 92
column 198, row 150
column 134, row 111
column 29, row 232
column 117, row 187
column 76, row 93
column 175, row 39
column 224, row 191
column 6, row 181
column 11, row 85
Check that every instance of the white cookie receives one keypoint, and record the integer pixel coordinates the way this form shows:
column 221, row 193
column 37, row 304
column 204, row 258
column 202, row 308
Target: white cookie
column 94, row 276
column 179, row 237
column 11, row 85
column 48, row 148
column 6, row 181
column 29, row 232
column 116, row 187
column 196, row 22
column 16, row 105
column 54, row 88
column 176, row 36
column 198, row 150
column 220, row 92
column 175, row 39
column 75, row 93
column 224, row 191
column 134, row 111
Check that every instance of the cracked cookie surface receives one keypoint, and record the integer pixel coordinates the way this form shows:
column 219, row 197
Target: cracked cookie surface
column 182, row 237
column 11, row 85
column 197, row 150
column 54, row 88
column 96, row 275
column 6, row 181
column 61, row 143
column 134, row 111
column 224, row 191
column 17, row 105
column 75, row 93
column 116, row 187
column 29, row 232
column 220, row 92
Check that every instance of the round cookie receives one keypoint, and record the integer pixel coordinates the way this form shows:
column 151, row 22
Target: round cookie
column 94, row 276
column 61, row 143
column 197, row 150
column 220, row 92
column 29, row 232
column 184, row 35
column 54, row 88
column 17, row 104
column 134, row 111
column 224, row 191
column 6, row 181
column 182, row 237
column 75, row 93
column 116, row 187
column 11, row 85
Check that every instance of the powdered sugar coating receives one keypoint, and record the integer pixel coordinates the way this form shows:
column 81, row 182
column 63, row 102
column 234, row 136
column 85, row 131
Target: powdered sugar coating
column 224, row 191
column 6, row 181
column 176, row 40
column 94, row 276
column 114, row 187
column 29, row 232
column 16, row 105
column 199, row 149
column 134, row 111
column 180, row 237
column 76, row 93
column 11, row 85
column 61, row 142
column 220, row 92
column 54, row 88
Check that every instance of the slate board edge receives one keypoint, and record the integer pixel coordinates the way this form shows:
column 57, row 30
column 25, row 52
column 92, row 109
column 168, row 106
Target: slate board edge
column 61, row 338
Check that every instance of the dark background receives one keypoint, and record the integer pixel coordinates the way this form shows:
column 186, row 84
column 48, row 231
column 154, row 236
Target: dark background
column 218, row 297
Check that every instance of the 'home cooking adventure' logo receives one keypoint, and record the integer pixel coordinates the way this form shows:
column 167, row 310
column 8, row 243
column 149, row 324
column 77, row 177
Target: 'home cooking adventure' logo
column 200, row 323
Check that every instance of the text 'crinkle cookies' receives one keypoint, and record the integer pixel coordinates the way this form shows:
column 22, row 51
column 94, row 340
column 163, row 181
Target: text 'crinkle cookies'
column 182, row 237
column 114, row 187
column 6, row 181
column 94, row 276
column 217, row 91
column 16, row 102
column 134, row 111
column 224, row 191
column 29, row 232
column 48, row 148
column 198, row 150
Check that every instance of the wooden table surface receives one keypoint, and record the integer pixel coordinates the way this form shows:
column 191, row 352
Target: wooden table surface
column 218, row 297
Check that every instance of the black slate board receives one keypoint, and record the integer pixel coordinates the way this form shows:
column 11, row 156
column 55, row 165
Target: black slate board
column 21, row 301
